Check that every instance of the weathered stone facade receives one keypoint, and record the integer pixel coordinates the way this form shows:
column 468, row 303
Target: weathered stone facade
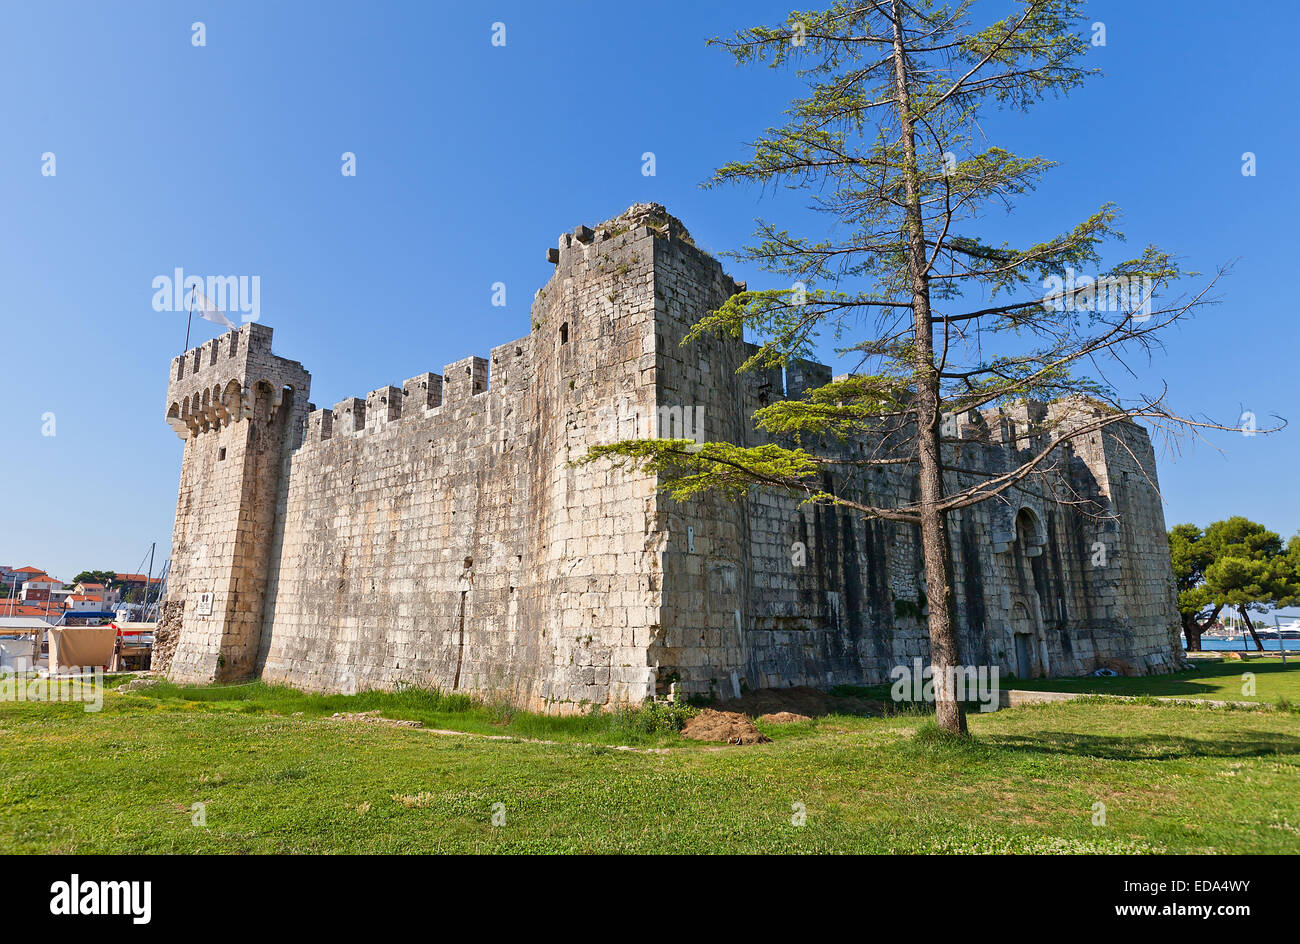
column 437, row 533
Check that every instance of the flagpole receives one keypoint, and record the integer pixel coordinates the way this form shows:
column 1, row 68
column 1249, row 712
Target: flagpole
column 188, row 319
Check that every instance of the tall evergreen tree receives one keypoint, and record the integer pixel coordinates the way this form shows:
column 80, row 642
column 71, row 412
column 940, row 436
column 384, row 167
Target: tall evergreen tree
column 887, row 145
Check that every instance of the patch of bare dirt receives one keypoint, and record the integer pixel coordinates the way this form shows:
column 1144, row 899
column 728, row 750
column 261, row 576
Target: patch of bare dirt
column 372, row 717
column 728, row 726
column 783, row 717
column 137, row 684
column 801, row 700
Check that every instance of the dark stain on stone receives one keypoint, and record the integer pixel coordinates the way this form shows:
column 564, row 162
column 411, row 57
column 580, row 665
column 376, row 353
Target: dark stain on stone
column 974, row 622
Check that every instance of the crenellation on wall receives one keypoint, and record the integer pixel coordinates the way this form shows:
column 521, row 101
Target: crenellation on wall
column 973, row 426
column 422, row 392
column 465, row 378
column 320, row 426
column 803, row 375
column 350, row 416
column 763, row 385
column 509, row 361
column 383, row 406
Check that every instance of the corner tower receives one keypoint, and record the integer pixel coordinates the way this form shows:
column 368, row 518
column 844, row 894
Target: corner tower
column 238, row 407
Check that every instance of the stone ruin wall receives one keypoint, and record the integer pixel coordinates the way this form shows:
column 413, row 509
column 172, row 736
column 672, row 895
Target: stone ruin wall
column 435, row 534
column 1084, row 573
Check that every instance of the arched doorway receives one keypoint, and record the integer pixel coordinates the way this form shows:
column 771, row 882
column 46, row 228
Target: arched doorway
column 1023, row 642
column 1030, row 534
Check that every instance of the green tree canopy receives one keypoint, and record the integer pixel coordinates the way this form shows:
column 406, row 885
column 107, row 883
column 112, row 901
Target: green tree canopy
column 94, row 576
column 1236, row 563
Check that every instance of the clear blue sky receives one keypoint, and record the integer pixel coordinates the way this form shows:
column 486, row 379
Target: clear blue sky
column 472, row 158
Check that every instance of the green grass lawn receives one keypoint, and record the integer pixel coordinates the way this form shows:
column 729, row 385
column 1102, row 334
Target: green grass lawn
column 643, row 727
column 1211, row 678
column 1173, row 778
column 1218, row 679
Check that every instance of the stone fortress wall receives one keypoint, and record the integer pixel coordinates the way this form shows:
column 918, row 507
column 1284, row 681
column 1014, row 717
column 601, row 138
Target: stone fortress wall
column 437, row 534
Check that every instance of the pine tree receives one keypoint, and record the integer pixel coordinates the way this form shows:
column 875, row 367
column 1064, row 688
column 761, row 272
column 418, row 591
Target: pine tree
column 887, row 145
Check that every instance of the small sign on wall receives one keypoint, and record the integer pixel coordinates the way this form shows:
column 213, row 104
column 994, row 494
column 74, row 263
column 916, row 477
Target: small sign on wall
column 205, row 604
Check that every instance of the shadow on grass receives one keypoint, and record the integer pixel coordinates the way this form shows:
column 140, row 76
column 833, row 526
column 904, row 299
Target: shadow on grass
column 1143, row 747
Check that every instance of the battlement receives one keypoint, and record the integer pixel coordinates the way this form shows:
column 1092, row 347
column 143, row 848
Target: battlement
column 640, row 220
column 613, row 255
column 218, row 382
column 424, row 395
column 585, row 246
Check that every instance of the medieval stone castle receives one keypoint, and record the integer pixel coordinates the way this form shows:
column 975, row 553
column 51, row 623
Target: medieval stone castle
column 437, row 533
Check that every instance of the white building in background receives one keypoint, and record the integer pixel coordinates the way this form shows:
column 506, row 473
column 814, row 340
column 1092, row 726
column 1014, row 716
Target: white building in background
column 111, row 596
column 42, row 587
column 84, row 601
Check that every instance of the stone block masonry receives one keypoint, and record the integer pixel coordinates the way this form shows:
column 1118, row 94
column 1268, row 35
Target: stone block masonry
column 436, row 533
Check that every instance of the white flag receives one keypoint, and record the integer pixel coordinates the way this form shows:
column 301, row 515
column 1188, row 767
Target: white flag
column 208, row 311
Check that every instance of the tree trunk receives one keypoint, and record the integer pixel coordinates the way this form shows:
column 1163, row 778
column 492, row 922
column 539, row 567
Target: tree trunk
column 1251, row 626
column 945, row 657
column 1193, row 629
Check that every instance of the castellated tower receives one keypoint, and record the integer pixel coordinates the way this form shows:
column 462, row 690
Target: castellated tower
column 438, row 534
column 237, row 406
